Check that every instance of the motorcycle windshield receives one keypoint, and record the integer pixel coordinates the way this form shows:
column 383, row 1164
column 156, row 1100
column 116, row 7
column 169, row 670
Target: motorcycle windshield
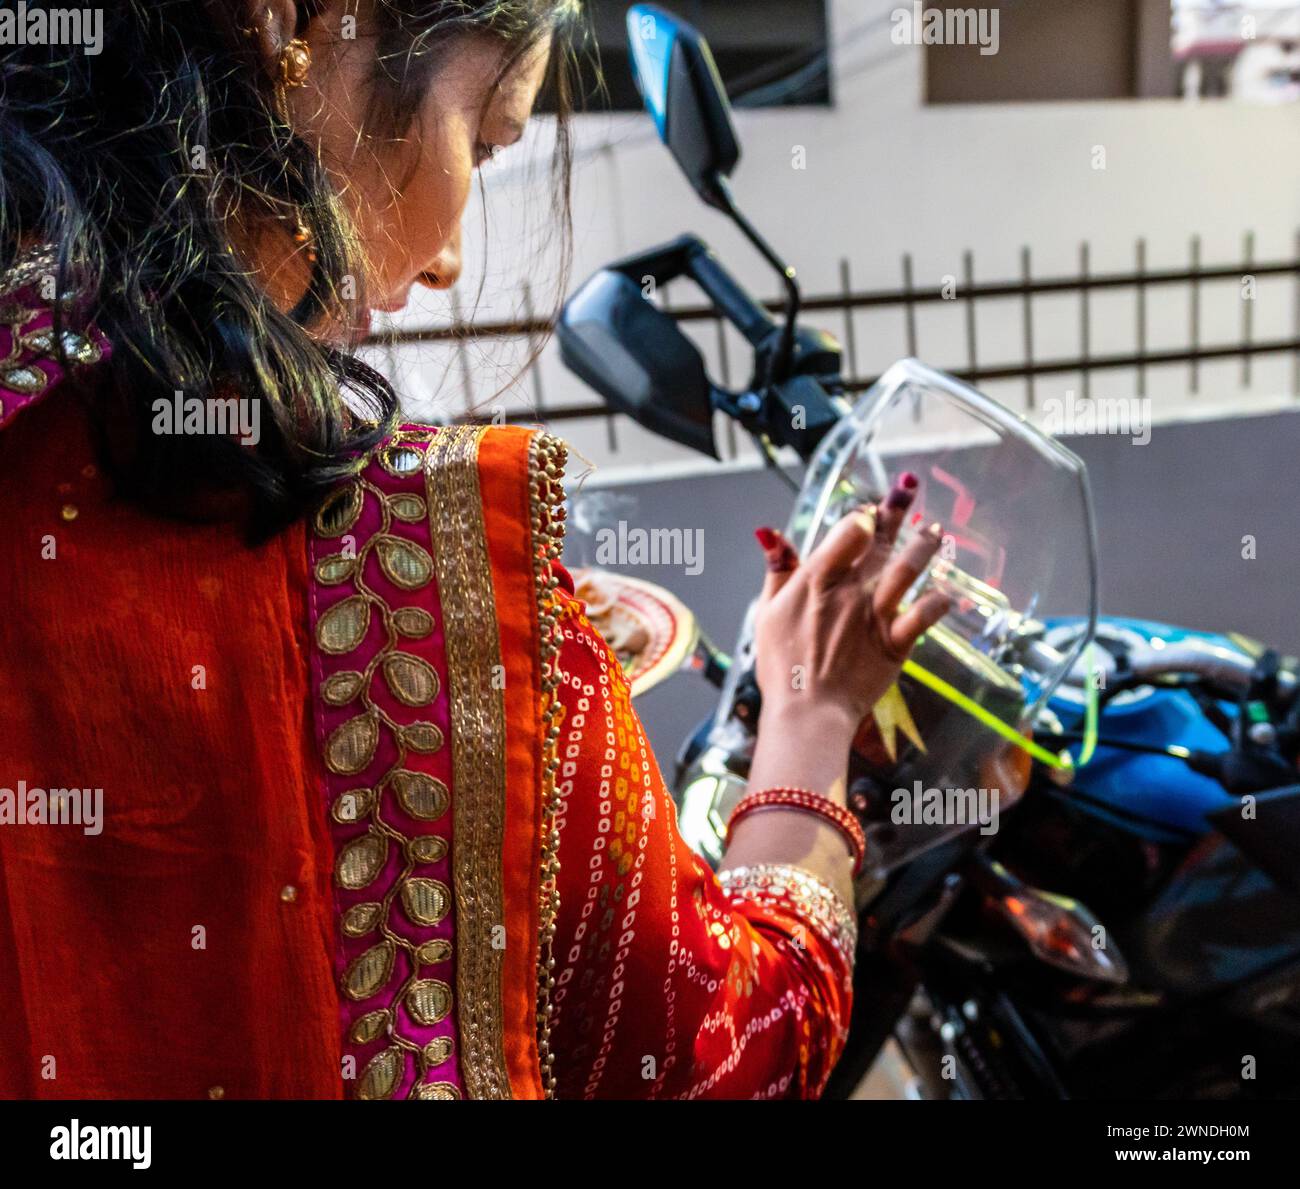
column 1018, row 545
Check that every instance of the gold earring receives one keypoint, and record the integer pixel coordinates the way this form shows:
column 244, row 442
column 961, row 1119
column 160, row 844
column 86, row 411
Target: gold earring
column 291, row 73
column 302, row 237
column 292, row 68
column 295, row 62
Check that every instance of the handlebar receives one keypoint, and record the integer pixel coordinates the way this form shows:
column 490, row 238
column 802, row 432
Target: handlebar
column 1224, row 668
column 745, row 314
column 689, row 256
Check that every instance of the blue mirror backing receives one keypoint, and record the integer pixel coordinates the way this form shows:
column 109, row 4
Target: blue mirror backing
column 652, row 33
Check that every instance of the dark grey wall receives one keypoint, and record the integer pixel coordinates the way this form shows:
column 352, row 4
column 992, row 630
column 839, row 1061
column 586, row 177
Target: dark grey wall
column 1171, row 516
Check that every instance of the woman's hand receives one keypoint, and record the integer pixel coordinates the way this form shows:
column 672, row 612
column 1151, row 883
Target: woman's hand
column 829, row 642
column 830, row 639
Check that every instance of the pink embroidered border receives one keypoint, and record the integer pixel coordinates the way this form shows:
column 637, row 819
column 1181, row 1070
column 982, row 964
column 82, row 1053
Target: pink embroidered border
column 34, row 315
column 437, row 764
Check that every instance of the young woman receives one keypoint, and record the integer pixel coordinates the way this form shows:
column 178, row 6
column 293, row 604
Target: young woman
column 378, row 818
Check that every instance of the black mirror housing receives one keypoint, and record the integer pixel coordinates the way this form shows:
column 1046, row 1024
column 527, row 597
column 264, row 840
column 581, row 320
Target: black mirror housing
column 637, row 358
column 684, row 93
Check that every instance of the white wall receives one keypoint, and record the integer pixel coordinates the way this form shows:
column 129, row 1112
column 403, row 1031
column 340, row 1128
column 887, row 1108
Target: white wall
column 885, row 174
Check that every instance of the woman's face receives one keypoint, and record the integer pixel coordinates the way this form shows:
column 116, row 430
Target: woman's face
column 407, row 195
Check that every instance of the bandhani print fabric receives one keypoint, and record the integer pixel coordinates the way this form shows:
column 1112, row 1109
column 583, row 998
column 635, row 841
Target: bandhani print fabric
column 671, row 983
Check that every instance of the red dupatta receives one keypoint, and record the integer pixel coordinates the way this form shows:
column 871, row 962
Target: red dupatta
column 335, row 773
column 313, row 878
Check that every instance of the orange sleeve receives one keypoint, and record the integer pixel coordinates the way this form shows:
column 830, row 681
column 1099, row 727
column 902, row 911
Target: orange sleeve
column 669, row 982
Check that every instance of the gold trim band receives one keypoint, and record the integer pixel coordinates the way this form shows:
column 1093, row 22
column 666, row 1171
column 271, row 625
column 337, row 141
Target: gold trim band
column 478, row 741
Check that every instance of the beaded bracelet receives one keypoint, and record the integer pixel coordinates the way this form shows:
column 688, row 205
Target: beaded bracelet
column 807, row 802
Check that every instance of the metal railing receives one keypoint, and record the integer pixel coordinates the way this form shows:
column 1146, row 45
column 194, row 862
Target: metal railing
column 1143, row 282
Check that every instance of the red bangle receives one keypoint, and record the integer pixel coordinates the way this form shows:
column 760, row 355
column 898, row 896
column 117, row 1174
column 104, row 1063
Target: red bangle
column 808, row 802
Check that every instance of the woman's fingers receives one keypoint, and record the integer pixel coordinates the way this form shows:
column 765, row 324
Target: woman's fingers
column 893, row 512
column 893, row 507
column 780, row 557
column 905, row 569
column 919, row 618
column 866, row 537
column 845, row 545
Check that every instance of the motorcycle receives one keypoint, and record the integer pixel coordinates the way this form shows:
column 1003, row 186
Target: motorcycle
column 1082, row 874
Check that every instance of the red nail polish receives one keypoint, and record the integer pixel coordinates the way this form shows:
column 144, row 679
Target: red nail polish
column 908, row 481
column 767, row 538
column 900, row 496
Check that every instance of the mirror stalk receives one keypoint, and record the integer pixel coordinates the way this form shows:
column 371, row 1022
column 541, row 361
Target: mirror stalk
column 778, row 367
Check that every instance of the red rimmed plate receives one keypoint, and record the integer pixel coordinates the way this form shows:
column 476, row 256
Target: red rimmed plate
column 652, row 632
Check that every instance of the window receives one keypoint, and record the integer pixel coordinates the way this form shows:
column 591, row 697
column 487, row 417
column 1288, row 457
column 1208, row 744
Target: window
column 1108, row 49
column 1049, row 50
column 770, row 53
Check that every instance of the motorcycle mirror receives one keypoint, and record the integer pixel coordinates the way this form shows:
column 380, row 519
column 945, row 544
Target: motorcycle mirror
column 683, row 92
column 635, row 356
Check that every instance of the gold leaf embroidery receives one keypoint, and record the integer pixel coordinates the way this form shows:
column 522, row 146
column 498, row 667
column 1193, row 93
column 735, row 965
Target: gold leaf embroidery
column 340, row 688
column 438, row 1050
column 77, row 347
column 369, row 1027
column 369, row 972
column 422, row 796
column 427, row 848
column 422, row 736
column 27, row 380
column 336, row 568
column 352, row 746
column 414, row 622
column 355, row 745
column 40, row 340
column 361, row 919
column 340, row 511
column 360, row 861
column 82, row 350
column 400, row 460
column 427, row 901
column 429, row 1000
column 411, row 678
column 405, row 563
column 793, row 887
column 381, row 1075
column 352, row 806
column 408, row 507
column 343, row 626
column 434, row 951
column 437, row 1091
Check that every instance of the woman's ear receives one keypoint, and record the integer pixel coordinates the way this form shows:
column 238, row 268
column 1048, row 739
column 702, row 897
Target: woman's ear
column 273, row 23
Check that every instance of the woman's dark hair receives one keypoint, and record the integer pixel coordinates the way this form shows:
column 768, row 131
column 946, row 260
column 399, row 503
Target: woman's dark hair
column 132, row 161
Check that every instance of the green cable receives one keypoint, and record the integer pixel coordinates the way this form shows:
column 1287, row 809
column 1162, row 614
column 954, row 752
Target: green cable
column 1090, row 700
column 936, row 683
